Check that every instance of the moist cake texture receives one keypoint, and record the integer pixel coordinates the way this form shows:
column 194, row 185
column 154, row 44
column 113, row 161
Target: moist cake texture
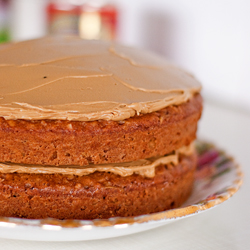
column 68, row 106
column 60, row 142
column 95, row 196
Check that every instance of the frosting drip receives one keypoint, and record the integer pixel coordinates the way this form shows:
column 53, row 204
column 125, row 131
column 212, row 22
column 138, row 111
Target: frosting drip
column 145, row 167
column 72, row 79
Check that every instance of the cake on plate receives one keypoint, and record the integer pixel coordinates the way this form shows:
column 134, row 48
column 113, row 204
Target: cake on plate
column 93, row 130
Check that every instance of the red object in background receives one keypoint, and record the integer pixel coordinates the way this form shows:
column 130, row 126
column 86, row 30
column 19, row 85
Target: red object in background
column 90, row 20
column 62, row 17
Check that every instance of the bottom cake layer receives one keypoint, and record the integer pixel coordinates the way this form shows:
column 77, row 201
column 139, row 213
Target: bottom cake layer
column 96, row 196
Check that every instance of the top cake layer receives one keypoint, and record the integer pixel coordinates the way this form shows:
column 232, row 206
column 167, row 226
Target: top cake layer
column 68, row 78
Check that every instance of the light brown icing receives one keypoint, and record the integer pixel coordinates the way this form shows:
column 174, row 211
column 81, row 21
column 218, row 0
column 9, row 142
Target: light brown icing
column 144, row 167
column 73, row 79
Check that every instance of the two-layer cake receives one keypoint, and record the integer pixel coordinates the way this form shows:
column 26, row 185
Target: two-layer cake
column 93, row 129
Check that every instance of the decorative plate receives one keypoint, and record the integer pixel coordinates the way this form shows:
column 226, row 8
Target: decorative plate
column 217, row 178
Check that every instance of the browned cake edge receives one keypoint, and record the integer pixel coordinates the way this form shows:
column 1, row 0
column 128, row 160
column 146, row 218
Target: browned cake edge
column 98, row 195
column 57, row 142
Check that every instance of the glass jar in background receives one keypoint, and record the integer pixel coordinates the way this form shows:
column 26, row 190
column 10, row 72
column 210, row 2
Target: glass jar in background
column 93, row 19
column 63, row 16
column 4, row 14
column 98, row 21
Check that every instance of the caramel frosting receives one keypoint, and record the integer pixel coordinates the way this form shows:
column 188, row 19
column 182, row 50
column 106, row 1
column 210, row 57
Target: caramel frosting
column 72, row 79
column 144, row 167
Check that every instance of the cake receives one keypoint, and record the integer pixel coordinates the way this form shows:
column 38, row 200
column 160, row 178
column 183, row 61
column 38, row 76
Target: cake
column 93, row 130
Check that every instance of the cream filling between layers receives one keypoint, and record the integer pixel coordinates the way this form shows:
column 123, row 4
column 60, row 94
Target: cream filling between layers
column 144, row 167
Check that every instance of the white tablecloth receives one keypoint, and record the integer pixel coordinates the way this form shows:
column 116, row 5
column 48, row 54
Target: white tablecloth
column 226, row 226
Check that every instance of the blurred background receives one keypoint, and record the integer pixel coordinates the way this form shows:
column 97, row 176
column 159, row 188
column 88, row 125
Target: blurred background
column 209, row 38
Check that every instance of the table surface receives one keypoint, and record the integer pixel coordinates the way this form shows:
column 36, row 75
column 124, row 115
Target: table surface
column 224, row 227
